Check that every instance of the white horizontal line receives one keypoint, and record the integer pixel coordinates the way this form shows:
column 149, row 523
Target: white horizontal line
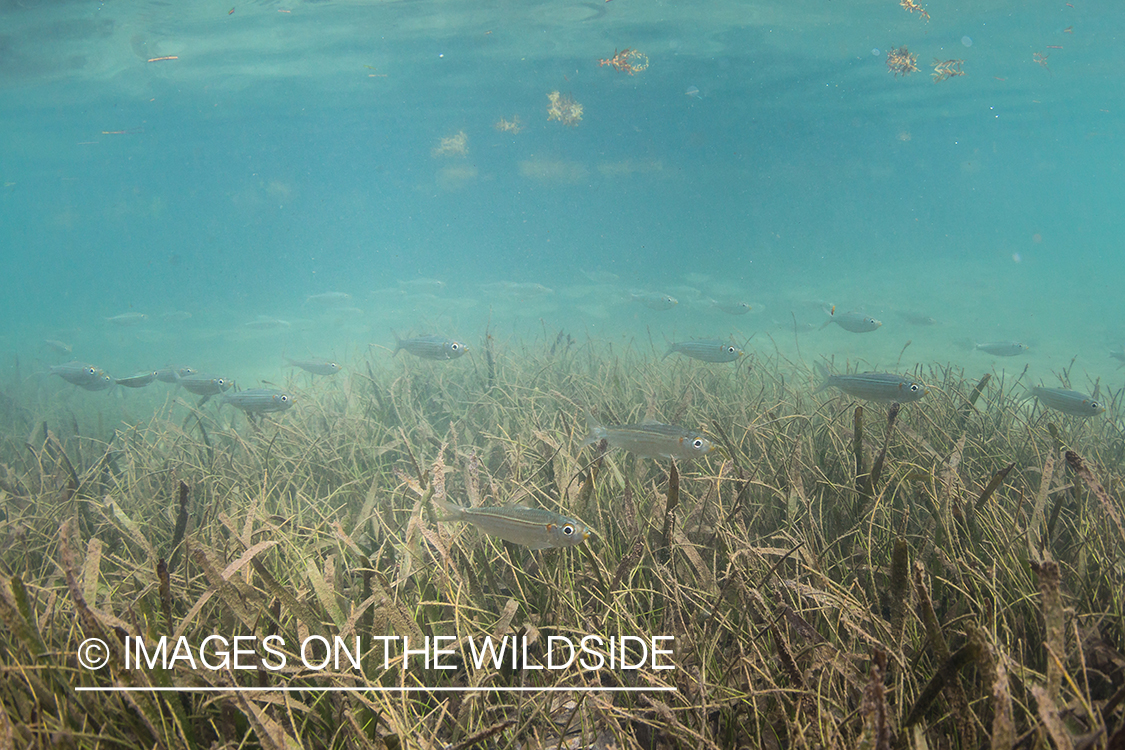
column 363, row 689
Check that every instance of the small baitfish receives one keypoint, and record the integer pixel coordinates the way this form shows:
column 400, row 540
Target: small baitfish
column 259, row 400
column 650, row 439
column 100, row 382
column 77, row 373
column 654, row 300
column 173, row 374
column 1119, row 355
column 204, row 385
column 1068, row 402
column 874, row 386
column 266, row 323
column 140, row 380
column 315, row 366
column 328, row 298
column 706, row 350
column 731, row 307
column 430, row 347
column 1002, row 348
column 58, row 346
column 531, row 527
column 852, row 321
column 127, row 319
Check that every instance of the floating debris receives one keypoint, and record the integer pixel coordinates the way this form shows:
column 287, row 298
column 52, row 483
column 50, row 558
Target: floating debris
column 946, row 69
column 627, row 60
column 911, row 7
column 564, row 109
column 901, row 62
column 454, row 145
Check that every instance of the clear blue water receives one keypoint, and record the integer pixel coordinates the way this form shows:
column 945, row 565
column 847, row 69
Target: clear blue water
column 289, row 151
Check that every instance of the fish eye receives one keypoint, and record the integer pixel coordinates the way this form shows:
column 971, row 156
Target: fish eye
column 731, row 350
column 284, row 398
column 1095, row 405
column 697, row 443
column 454, row 346
column 568, row 529
column 220, row 381
column 92, row 370
column 913, row 387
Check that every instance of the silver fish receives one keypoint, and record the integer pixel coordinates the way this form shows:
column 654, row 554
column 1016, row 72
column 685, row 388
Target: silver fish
column 140, row 380
column 917, row 319
column 173, row 374
column 128, row 319
column 423, row 285
column 58, row 346
column 731, row 307
column 204, row 385
column 259, row 400
column 650, row 439
column 1068, row 402
column 328, row 298
column 654, row 300
column 430, row 347
column 76, row 372
column 1118, row 355
column 175, row 316
column 264, row 323
column 853, row 321
column 706, row 351
column 874, row 386
column 1002, row 348
column 99, row 382
column 531, row 527
column 315, row 366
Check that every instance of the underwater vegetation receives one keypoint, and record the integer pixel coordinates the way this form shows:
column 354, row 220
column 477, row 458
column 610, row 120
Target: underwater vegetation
column 946, row 573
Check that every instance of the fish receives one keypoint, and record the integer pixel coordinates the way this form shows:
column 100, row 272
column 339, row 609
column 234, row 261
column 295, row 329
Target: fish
column 99, row 382
column 430, row 347
column 259, row 400
column 1002, row 348
column 874, row 386
column 128, row 319
column 852, row 321
column 76, row 372
column 517, row 289
column 530, row 527
column 731, row 307
column 917, row 319
column 58, row 346
column 600, row 277
column 423, row 285
column 204, row 385
column 706, row 350
column 1119, row 355
column 1073, row 403
column 315, row 366
column 650, row 439
column 654, row 300
column 264, row 323
column 173, row 374
column 175, row 316
column 140, row 380
column 328, row 298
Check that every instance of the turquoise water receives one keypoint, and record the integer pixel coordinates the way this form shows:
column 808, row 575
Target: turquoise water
column 289, row 151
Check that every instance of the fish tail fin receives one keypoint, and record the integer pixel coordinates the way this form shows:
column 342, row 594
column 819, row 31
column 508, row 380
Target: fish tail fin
column 671, row 350
column 597, row 430
column 452, row 511
column 398, row 343
column 824, row 374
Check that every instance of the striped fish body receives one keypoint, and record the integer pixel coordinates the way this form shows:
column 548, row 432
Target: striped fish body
column 259, row 400
column 1002, row 348
column 100, row 382
column 655, row 300
column 650, row 439
column 315, row 366
column 1073, row 403
column 431, row 347
column 77, row 373
column 706, row 351
column 854, row 322
column 140, row 380
column 531, row 527
column 204, row 385
column 731, row 308
column 876, row 386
